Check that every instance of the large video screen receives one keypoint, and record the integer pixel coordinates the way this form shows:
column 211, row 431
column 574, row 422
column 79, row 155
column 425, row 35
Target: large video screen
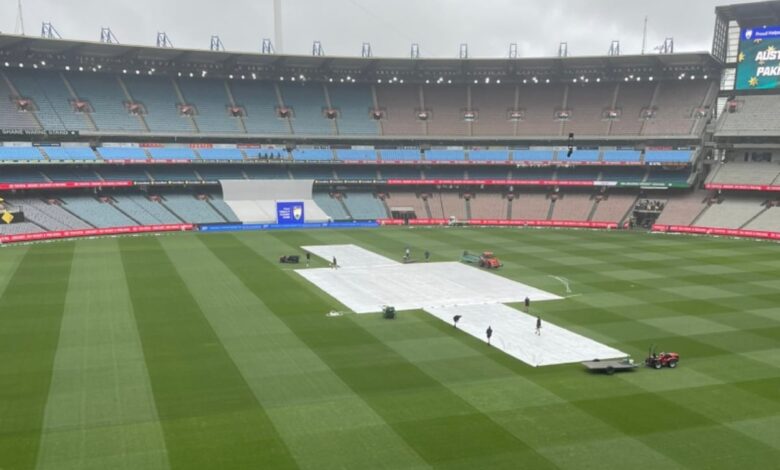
column 758, row 64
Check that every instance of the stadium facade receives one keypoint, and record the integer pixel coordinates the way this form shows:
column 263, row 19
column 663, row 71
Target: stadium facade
column 107, row 138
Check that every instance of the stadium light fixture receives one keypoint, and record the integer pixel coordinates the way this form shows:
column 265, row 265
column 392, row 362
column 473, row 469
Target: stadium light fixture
column 598, row 79
column 341, row 80
column 81, row 69
column 67, row 67
column 379, row 80
column 7, row 64
column 231, row 77
column 254, row 75
column 639, row 79
column 21, row 65
column 292, row 79
column 137, row 72
column 302, row 77
column 693, row 77
column 100, row 66
column 94, row 69
column 547, row 81
column 35, row 66
column 427, row 81
column 123, row 70
column 574, row 80
column 650, row 78
column 281, row 79
column 349, row 78
column 705, row 77
column 498, row 81
column 487, row 80
column 449, row 82
column 43, row 63
column 330, row 80
column 243, row 77
column 525, row 81
column 401, row 81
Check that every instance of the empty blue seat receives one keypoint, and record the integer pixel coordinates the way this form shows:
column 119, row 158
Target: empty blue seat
column 355, row 154
column 221, row 154
column 312, row 154
column 622, row 156
column 533, row 155
column 668, row 156
column 400, row 154
column 122, row 153
column 445, row 155
column 20, row 153
column 584, row 156
column 172, row 153
column 70, row 153
column 489, row 155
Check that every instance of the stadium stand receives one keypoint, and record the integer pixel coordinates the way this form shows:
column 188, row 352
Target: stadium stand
column 488, row 205
column 158, row 96
column 231, row 154
column 49, row 214
column 758, row 173
column 331, row 206
column 489, row 173
column 307, row 102
column 355, row 154
column 676, row 102
column 312, row 154
column 401, row 199
column 587, row 103
column 10, row 174
column 20, row 227
column 625, row 174
column 321, row 172
column 355, row 173
column 400, row 103
column 631, row 100
column 172, row 173
column 20, row 154
column 172, row 153
column 399, row 154
column 67, row 173
column 70, row 153
column 682, row 209
column 219, row 172
column 123, row 173
column 188, row 207
column 754, row 116
column 529, row 205
column 266, row 172
column 364, row 206
column 768, row 220
column 492, row 105
column 668, row 156
column 584, row 156
column 353, row 104
column 211, row 101
column 734, row 211
column 488, row 155
column 52, row 99
column 107, row 100
column 97, row 213
column 260, row 103
column 220, row 206
column 632, row 156
column 123, row 153
column 144, row 210
column 399, row 172
column 572, row 206
column 532, row 155
column 613, row 207
column 447, row 104
column 531, row 173
column 444, row 155
column 539, row 103
column 445, row 172
column 448, row 204
column 10, row 116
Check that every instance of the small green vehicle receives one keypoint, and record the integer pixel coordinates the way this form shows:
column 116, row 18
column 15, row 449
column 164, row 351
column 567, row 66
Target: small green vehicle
column 486, row 260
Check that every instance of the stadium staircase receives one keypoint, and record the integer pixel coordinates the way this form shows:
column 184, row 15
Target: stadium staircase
column 130, row 99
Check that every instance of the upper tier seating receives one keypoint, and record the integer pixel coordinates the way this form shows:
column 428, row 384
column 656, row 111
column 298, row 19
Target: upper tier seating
column 321, row 172
column 107, row 99
column 399, row 172
column 219, row 172
column 353, row 103
column 539, row 103
column 171, row 153
column 211, row 101
column 584, row 156
column 769, row 220
column 122, row 173
column 158, row 95
column 145, row 211
column 307, row 101
column 492, row 103
column 260, row 102
column 676, row 102
column 16, row 174
column 532, row 155
column 587, row 103
column 531, row 206
column 356, row 172
column 400, row 102
column 631, row 100
column 447, row 104
column 10, row 116
column 51, row 97
column 755, row 115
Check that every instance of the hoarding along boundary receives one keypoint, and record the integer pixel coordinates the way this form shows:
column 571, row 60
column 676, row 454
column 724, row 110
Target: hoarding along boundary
column 720, row 232
column 94, row 232
column 313, row 225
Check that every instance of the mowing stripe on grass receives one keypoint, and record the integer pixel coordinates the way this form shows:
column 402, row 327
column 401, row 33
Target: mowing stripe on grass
column 30, row 315
column 100, row 412
column 439, row 425
column 210, row 418
column 321, row 420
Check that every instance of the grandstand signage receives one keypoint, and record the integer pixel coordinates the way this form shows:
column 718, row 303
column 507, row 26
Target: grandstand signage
column 413, row 182
column 94, row 232
column 289, row 213
column 723, row 232
column 67, row 185
column 758, row 61
column 741, row 187
column 38, row 132
column 251, row 227
column 503, row 222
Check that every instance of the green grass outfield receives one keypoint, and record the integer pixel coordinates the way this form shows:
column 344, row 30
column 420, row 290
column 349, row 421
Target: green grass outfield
column 200, row 351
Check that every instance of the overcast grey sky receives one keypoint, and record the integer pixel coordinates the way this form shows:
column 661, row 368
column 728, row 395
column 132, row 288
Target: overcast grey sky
column 439, row 26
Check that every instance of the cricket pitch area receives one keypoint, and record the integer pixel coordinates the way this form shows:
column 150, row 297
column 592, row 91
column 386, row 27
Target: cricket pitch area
column 365, row 282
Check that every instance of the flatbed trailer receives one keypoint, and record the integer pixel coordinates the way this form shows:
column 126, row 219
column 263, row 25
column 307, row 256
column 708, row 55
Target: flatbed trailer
column 610, row 366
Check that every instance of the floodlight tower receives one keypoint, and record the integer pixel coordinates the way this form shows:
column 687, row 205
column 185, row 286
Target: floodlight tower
column 415, row 51
column 563, row 49
column 216, row 44
column 267, row 47
column 614, row 48
column 463, row 51
column 107, row 36
column 278, row 34
column 513, row 50
column 163, row 40
column 365, row 51
column 48, row 31
column 316, row 49
column 19, row 26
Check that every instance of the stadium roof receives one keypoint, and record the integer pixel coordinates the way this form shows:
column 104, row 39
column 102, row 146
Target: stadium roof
column 60, row 53
column 751, row 14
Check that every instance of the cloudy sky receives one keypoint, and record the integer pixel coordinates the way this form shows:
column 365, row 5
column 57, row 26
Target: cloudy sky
column 439, row 26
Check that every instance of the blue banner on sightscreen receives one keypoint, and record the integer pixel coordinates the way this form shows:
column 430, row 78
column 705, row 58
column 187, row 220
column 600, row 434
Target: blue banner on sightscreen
column 289, row 213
